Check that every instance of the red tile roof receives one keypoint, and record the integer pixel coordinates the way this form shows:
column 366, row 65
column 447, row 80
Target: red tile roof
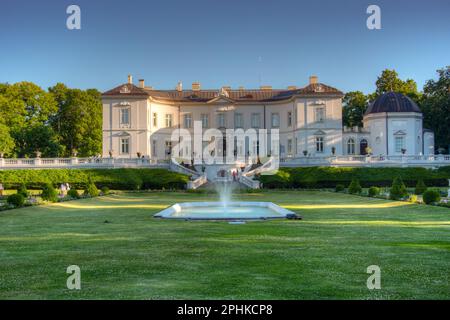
column 238, row 95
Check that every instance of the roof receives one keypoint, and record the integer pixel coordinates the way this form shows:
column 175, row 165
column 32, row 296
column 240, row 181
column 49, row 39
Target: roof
column 235, row 95
column 392, row 102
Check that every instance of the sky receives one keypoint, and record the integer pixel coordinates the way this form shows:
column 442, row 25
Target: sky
column 235, row 42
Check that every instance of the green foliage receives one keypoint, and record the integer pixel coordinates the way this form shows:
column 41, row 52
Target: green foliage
column 73, row 193
column 91, row 189
column 6, row 141
column 435, row 106
column 398, row 189
column 282, row 179
column 389, row 81
column 420, row 187
column 17, row 200
column 374, row 191
column 23, row 190
column 354, row 105
column 114, row 179
column 105, row 190
column 38, row 138
column 431, row 196
column 339, row 188
column 329, row 177
column 79, row 120
column 354, row 187
column 49, row 193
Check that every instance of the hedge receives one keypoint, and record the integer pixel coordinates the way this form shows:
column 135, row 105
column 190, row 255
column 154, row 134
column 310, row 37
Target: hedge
column 330, row 177
column 115, row 179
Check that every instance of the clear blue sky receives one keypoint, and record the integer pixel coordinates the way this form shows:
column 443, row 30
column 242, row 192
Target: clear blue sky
column 233, row 42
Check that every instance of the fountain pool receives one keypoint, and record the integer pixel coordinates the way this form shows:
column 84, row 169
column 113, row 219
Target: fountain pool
column 218, row 211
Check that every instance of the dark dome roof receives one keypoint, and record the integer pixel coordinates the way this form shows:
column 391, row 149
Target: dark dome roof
column 392, row 102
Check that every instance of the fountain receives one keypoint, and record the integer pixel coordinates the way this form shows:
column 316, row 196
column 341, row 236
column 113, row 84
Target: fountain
column 225, row 209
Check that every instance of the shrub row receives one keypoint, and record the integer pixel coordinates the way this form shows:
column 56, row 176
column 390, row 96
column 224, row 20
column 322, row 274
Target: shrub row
column 329, row 177
column 115, row 179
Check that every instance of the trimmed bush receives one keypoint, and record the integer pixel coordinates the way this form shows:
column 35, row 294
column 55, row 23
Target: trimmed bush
column 354, row 187
column 105, row 190
column 73, row 193
column 16, row 200
column 329, row 177
column 398, row 189
column 431, row 196
column 91, row 189
column 374, row 191
column 23, row 190
column 114, row 179
column 340, row 188
column 420, row 187
column 280, row 180
column 49, row 193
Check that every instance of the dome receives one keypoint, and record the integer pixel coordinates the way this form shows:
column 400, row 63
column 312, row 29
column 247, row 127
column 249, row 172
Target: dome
column 392, row 102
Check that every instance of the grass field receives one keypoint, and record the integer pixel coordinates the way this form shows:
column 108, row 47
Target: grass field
column 135, row 256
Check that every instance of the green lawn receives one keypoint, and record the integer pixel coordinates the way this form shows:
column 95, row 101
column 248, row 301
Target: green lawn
column 135, row 256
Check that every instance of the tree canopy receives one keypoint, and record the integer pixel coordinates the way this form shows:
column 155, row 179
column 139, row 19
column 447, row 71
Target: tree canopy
column 50, row 123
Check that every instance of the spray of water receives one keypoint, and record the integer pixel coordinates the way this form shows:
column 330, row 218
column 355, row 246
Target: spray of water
column 225, row 190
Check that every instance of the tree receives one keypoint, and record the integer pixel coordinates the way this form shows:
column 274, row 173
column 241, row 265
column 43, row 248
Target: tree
column 79, row 120
column 6, row 141
column 435, row 106
column 398, row 189
column 354, row 105
column 354, row 187
column 37, row 138
column 389, row 81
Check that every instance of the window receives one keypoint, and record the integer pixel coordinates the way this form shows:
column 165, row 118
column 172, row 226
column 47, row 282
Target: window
column 320, row 114
column 275, row 120
column 188, row 120
column 351, row 146
column 256, row 120
column 155, row 119
column 154, row 148
column 169, row 122
column 125, row 145
column 125, row 117
column 289, row 119
column 399, row 144
column 168, row 149
column 289, row 146
column 220, row 120
column 205, row 120
column 238, row 120
column 319, row 144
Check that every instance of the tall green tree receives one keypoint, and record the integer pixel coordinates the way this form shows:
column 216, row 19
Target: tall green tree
column 390, row 81
column 38, row 138
column 435, row 106
column 78, row 122
column 6, row 141
column 354, row 105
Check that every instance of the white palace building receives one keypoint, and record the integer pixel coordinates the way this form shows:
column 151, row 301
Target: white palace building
column 138, row 120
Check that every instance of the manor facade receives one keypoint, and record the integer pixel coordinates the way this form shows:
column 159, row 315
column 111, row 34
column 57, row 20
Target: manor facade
column 139, row 120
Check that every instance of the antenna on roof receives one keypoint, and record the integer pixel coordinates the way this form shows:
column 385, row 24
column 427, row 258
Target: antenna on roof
column 260, row 73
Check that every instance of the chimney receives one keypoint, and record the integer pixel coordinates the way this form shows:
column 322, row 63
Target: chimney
column 141, row 83
column 179, row 86
column 313, row 80
column 292, row 87
column 130, row 79
column 265, row 87
column 196, row 86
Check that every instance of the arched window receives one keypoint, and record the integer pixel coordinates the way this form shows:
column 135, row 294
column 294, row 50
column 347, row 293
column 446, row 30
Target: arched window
column 350, row 146
column 363, row 145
